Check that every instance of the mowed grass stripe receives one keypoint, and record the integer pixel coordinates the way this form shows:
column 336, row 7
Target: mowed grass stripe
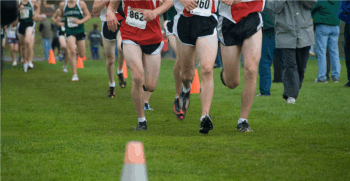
column 55, row 129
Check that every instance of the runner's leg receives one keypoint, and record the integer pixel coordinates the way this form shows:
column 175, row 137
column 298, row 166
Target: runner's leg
column 71, row 52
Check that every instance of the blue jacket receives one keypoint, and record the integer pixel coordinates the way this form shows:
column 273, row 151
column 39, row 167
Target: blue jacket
column 344, row 11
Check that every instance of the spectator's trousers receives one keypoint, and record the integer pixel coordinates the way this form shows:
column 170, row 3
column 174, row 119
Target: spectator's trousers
column 46, row 47
column 95, row 53
column 267, row 56
column 347, row 48
column 294, row 61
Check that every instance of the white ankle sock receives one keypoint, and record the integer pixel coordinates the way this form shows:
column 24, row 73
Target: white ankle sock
column 112, row 84
column 240, row 120
column 186, row 90
column 119, row 71
column 142, row 119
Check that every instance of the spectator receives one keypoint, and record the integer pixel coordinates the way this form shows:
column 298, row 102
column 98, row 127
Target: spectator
column 267, row 52
column 326, row 23
column 95, row 38
column 45, row 28
column 55, row 41
column 294, row 36
column 344, row 15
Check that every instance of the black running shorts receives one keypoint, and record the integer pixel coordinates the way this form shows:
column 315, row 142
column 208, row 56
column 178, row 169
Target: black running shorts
column 231, row 34
column 147, row 49
column 79, row 36
column 23, row 26
column 61, row 32
column 108, row 34
column 189, row 29
column 169, row 27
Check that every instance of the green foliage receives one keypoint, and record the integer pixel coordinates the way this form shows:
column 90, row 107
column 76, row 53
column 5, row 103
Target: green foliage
column 55, row 129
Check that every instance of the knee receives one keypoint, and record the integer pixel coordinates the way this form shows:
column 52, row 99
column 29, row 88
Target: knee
column 187, row 75
column 72, row 52
column 149, row 88
column 232, row 83
column 109, row 56
column 250, row 71
column 27, row 42
column 138, row 79
column 63, row 47
column 110, row 62
column 206, row 70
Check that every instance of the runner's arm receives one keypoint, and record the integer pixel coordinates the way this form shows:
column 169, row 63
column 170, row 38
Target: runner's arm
column 86, row 12
column 37, row 10
column 112, row 20
column 151, row 15
column 98, row 5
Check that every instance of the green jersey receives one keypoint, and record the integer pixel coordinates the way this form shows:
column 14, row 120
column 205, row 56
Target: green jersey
column 26, row 14
column 69, row 14
column 171, row 13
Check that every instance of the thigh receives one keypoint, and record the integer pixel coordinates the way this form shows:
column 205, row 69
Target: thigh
column 251, row 50
column 29, row 33
column 71, row 42
column 151, row 66
column 186, row 56
column 81, row 47
column 231, row 57
column 172, row 42
column 302, row 56
column 109, row 47
column 133, row 58
column 62, row 41
column 119, row 41
column 206, row 49
column 12, row 46
column 288, row 57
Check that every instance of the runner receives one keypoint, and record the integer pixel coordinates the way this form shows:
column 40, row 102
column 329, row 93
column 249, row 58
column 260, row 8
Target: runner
column 29, row 11
column 168, row 26
column 109, row 39
column 195, row 29
column 142, row 44
column 75, row 14
column 240, row 30
column 12, row 41
column 56, row 17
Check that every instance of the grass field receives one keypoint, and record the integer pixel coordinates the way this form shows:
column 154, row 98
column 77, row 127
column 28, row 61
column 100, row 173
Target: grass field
column 55, row 129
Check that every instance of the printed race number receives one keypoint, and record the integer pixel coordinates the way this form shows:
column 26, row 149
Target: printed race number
column 71, row 23
column 203, row 8
column 24, row 13
column 135, row 19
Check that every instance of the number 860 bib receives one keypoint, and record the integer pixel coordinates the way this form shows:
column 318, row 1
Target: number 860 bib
column 135, row 19
column 203, row 9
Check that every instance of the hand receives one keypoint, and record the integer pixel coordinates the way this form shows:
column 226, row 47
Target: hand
column 189, row 4
column 161, row 2
column 112, row 21
column 60, row 24
column 149, row 15
column 77, row 21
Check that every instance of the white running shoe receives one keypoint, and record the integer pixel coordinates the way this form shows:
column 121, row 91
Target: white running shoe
column 291, row 100
column 65, row 70
column 30, row 65
column 14, row 63
column 75, row 78
column 25, row 67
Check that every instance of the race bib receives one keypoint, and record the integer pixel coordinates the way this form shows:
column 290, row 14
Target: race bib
column 203, row 8
column 24, row 13
column 135, row 19
column 71, row 23
column 63, row 28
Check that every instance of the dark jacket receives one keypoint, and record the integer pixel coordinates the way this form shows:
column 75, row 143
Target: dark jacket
column 45, row 28
column 293, row 24
column 344, row 11
column 94, row 37
column 268, row 18
column 326, row 13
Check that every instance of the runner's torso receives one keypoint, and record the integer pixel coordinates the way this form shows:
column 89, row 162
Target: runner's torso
column 205, row 8
column 135, row 28
column 26, row 14
column 236, row 13
column 69, row 14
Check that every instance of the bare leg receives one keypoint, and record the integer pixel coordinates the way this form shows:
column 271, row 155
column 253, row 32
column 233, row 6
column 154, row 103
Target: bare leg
column 177, row 73
column 81, row 48
column 147, row 96
column 109, row 50
column 71, row 51
column 120, row 52
column 186, row 58
column 206, row 50
column 251, row 53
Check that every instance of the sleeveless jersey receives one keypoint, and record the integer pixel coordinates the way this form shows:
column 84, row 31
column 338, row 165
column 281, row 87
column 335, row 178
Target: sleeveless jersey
column 69, row 14
column 236, row 13
column 119, row 14
column 205, row 8
column 11, row 32
column 26, row 14
column 135, row 28
column 171, row 13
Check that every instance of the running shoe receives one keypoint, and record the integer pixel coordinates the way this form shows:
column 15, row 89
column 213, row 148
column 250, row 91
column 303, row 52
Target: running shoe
column 347, row 84
column 290, row 100
column 65, row 70
column 14, row 63
column 141, row 126
column 206, row 125
column 244, row 127
column 75, row 78
column 177, row 110
column 122, row 82
column 25, row 67
column 147, row 107
column 320, row 80
column 30, row 65
column 111, row 92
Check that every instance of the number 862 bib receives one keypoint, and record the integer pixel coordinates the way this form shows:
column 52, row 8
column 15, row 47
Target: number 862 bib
column 203, row 9
column 135, row 19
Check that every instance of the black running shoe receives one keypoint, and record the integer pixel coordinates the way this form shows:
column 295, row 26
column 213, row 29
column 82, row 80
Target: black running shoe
column 347, row 84
column 184, row 101
column 122, row 82
column 244, row 127
column 222, row 78
column 141, row 126
column 111, row 92
column 206, row 125
column 177, row 110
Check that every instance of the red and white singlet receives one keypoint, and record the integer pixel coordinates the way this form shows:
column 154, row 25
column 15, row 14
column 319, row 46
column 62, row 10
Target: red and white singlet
column 236, row 13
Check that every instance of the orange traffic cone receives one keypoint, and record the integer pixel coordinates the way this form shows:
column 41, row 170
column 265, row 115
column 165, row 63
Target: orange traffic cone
column 196, row 85
column 80, row 64
column 125, row 70
column 52, row 57
column 84, row 58
column 134, row 168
